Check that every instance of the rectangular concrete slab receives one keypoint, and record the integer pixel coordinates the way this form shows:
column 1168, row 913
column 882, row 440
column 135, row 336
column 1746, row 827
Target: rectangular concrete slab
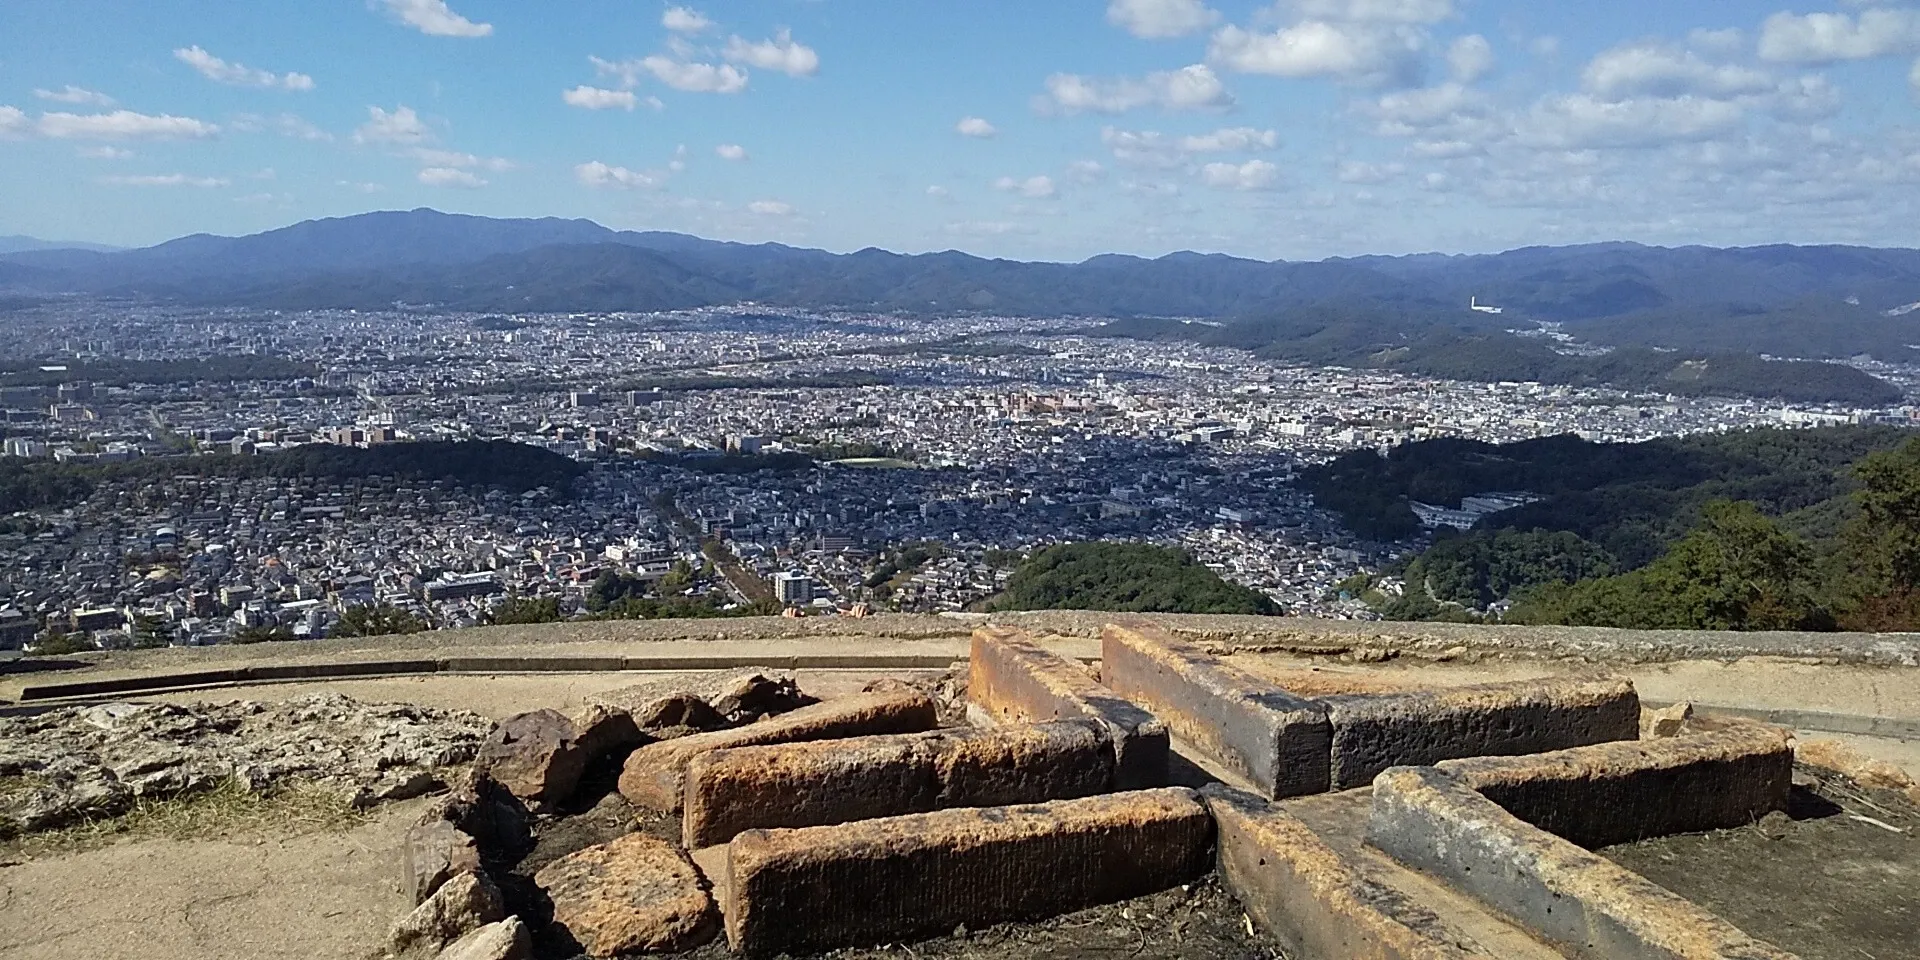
column 1012, row 679
column 1639, row 789
column 1278, row 742
column 1374, row 732
column 904, row 878
column 655, row 775
column 862, row 778
column 1315, row 901
column 1581, row 902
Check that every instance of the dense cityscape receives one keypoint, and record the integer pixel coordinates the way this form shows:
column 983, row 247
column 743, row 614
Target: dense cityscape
column 745, row 459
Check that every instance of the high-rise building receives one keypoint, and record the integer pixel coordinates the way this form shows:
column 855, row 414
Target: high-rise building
column 793, row 589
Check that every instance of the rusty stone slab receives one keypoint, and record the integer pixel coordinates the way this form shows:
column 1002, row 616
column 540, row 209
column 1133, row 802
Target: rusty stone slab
column 1374, row 732
column 1279, row 742
column 1013, row 679
column 1574, row 899
column 655, row 775
column 637, row 894
column 903, row 878
column 862, row 778
column 1313, row 900
column 1612, row 793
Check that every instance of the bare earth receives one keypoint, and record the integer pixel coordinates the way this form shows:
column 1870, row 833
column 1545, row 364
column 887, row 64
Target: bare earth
column 315, row 897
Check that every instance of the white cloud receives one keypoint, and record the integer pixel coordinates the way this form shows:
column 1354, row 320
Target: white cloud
column 1913, row 80
column 1656, row 70
column 104, row 153
column 400, row 126
column 988, row 228
column 685, row 20
column 939, row 192
column 695, row 77
column 1160, row 19
column 435, row 19
column 428, row 157
column 1356, row 171
column 165, row 180
column 1723, row 43
column 1033, row 188
column 1086, row 171
column 1581, row 121
column 287, row 125
column 595, row 98
column 13, row 123
column 975, row 127
column 123, row 125
column 1377, row 11
column 780, row 53
column 1453, row 109
column 73, row 94
column 731, row 151
column 770, row 208
column 238, row 74
column 451, row 177
column 360, row 187
column 597, row 174
column 1188, row 88
column 1231, row 140
column 1832, row 37
column 1359, row 52
column 1470, row 58
column 1252, row 175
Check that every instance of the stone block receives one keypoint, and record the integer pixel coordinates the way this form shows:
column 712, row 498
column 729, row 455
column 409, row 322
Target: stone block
column 655, row 775
column 1277, row 741
column 432, row 853
column 1306, row 895
column 637, row 894
column 1638, row 789
column 601, row 731
column 461, row 905
column 1573, row 899
column 1012, row 679
column 1374, row 732
column 535, row 755
column 507, row 940
column 902, row 878
column 863, row 778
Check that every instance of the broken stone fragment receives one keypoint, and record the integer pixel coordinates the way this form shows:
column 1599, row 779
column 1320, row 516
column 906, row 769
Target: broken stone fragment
column 678, row 715
column 1667, row 721
column 507, row 940
column 637, row 894
column 602, row 731
column 536, row 756
column 1855, row 765
column 462, row 905
column 434, row 853
column 754, row 696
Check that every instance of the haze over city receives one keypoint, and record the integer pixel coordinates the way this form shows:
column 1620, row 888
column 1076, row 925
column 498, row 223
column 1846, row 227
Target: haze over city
column 1300, row 129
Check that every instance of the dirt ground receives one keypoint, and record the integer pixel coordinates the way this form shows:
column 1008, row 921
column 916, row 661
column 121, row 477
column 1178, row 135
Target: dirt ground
column 1819, row 882
column 323, row 896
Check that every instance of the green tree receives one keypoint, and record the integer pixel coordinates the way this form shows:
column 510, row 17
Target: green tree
column 1125, row 577
column 58, row 644
column 1737, row 570
column 263, row 634
column 151, row 633
column 378, row 620
column 525, row 610
column 1882, row 585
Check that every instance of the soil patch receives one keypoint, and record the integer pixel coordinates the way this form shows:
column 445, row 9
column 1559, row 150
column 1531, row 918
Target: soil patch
column 1820, row 881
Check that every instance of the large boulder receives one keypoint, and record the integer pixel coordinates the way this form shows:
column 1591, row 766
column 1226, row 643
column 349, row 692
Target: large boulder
column 638, row 894
column 507, row 940
column 536, row 756
column 462, row 905
column 433, row 853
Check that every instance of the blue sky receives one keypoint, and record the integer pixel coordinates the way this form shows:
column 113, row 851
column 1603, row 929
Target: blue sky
column 1038, row 130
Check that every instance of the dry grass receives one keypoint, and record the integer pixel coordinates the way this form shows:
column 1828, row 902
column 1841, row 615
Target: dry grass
column 227, row 811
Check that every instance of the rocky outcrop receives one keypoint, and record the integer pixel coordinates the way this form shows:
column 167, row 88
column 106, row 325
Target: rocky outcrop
column 507, row 940
column 79, row 763
column 637, row 894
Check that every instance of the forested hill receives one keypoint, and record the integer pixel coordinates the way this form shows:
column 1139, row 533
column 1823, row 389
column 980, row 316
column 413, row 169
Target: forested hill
column 1812, row 302
column 1787, row 529
column 1125, row 577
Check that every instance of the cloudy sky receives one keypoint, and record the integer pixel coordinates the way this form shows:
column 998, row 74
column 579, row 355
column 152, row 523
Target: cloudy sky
column 1019, row 128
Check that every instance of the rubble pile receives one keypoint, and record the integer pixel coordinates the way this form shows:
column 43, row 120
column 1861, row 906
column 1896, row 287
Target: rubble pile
column 79, row 763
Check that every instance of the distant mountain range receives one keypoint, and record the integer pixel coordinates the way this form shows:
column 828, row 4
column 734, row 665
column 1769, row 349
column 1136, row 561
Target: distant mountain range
column 1819, row 302
column 19, row 244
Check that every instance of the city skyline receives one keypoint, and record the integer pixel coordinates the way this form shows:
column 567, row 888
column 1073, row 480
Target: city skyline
column 1302, row 130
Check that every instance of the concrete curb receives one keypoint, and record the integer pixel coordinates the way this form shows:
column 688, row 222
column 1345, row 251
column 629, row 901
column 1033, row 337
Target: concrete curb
column 372, row 669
